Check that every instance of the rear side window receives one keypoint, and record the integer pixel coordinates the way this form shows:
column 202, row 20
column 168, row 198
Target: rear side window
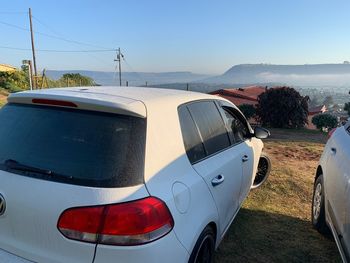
column 210, row 125
column 193, row 143
column 79, row 147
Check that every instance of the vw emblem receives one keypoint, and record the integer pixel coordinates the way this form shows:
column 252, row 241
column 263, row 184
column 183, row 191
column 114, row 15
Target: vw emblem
column 2, row 205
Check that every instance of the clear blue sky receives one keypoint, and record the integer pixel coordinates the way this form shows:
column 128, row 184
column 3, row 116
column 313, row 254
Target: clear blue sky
column 179, row 35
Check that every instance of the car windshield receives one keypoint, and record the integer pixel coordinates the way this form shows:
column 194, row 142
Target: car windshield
column 74, row 146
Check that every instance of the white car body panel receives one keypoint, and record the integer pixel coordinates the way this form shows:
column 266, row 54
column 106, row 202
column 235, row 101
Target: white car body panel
column 29, row 226
column 168, row 175
column 167, row 249
column 6, row 257
column 335, row 165
column 228, row 164
column 253, row 150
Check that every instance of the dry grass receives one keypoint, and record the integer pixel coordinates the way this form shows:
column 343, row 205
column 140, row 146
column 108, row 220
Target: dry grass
column 274, row 223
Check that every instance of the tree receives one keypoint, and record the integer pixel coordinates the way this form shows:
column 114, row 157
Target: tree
column 282, row 107
column 347, row 107
column 248, row 110
column 14, row 81
column 325, row 120
column 75, row 79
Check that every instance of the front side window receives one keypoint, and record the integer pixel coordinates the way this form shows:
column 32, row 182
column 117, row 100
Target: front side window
column 211, row 126
column 237, row 130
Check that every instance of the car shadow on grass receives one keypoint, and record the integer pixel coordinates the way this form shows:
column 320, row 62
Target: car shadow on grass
column 259, row 236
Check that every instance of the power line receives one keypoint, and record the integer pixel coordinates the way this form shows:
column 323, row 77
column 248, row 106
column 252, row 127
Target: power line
column 59, row 51
column 14, row 26
column 12, row 13
column 61, row 37
column 48, row 35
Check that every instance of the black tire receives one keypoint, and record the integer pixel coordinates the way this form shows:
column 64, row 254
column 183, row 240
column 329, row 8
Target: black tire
column 263, row 172
column 203, row 251
column 318, row 218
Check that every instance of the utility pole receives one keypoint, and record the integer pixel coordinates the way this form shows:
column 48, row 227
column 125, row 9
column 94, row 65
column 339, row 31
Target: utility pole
column 33, row 49
column 120, row 56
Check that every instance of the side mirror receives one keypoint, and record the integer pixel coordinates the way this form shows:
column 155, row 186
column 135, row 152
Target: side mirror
column 261, row 133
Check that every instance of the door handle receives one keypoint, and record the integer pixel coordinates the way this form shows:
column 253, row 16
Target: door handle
column 334, row 150
column 217, row 180
column 245, row 158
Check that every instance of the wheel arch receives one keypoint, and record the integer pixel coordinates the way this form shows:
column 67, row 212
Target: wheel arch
column 319, row 172
column 215, row 229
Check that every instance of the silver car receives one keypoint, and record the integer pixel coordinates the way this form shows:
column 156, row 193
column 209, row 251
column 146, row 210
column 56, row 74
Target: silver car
column 331, row 197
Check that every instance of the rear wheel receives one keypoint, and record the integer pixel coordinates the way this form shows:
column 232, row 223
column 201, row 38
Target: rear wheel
column 318, row 216
column 203, row 251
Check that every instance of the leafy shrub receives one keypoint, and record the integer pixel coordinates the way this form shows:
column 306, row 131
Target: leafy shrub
column 282, row 107
column 325, row 120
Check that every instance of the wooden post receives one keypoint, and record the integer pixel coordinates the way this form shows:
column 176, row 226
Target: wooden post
column 33, row 49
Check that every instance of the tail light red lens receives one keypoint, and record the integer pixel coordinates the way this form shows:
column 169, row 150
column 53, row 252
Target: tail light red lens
column 132, row 223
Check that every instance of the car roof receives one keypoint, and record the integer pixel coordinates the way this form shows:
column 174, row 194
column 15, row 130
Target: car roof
column 124, row 100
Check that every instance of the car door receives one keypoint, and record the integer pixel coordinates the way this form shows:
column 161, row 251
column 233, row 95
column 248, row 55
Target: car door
column 239, row 134
column 344, row 185
column 221, row 168
column 337, row 178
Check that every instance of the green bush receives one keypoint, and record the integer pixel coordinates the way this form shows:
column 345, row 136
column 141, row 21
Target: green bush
column 325, row 120
column 14, row 81
column 248, row 110
column 282, row 107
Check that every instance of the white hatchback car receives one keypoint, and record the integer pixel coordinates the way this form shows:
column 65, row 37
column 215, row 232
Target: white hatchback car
column 122, row 174
column 331, row 198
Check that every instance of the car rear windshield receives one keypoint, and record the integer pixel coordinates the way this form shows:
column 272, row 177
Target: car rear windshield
column 76, row 146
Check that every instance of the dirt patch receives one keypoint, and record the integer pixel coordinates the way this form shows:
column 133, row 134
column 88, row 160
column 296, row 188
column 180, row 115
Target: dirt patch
column 302, row 135
column 294, row 151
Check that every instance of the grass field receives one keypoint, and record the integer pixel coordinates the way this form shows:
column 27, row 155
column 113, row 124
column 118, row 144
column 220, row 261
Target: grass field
column 274, row 222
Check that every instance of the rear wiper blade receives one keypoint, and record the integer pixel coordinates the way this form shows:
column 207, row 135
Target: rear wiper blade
column 13, row 164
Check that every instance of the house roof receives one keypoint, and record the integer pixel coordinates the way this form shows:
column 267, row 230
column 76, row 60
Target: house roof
column 317, row 109
column 6, row 68
column 247, row 95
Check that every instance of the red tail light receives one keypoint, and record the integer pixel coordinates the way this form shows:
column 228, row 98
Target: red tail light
column 132, row 223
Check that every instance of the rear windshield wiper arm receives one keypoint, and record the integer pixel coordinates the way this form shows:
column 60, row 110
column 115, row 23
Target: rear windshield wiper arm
column 12, row 164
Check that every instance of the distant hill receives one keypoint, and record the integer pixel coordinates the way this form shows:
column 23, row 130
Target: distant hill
column 317, row 74
column 244, row 74
column 134, row 78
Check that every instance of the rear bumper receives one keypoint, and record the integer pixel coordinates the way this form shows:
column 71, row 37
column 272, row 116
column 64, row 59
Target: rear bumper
column 167, row 249
column 6, row 257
